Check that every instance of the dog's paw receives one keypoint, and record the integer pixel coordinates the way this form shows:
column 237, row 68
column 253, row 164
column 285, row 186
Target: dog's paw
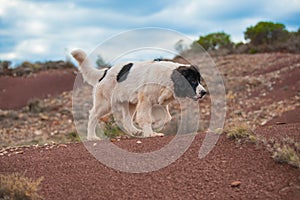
column 161, row 100
column 154, row 134
column 94, row 137
column 137, row 133
column 158, row 125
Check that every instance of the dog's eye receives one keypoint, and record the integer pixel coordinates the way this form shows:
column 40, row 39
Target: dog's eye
column 194, row 82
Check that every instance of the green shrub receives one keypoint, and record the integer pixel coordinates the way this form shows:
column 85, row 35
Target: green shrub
column 73, row 136
column 16, row 186
column 266, row 33
column 215, row 41
column 252, row 51
column 33, row 66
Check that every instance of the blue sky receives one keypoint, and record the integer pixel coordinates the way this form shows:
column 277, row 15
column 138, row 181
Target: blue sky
column 48, row 30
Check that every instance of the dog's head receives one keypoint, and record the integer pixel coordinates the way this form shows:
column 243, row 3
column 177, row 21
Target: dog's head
column 186, row 81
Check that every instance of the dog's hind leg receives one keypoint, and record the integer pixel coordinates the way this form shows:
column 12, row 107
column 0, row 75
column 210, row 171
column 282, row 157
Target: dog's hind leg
column 160, row 116
column 127, row 121
column 93, row 119
column 97, row 111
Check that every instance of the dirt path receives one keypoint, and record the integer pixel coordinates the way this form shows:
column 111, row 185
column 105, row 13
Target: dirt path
column 70, row 172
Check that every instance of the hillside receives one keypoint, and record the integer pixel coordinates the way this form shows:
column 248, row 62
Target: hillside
column 262, row 90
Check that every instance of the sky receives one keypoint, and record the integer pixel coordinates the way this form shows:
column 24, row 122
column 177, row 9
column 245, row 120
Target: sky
column 32, row 30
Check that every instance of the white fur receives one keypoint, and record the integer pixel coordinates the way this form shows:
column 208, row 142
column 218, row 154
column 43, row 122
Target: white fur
column 90, row 74
column 148, row 84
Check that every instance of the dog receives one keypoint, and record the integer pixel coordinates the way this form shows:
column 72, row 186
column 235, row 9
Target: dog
column 147, row 86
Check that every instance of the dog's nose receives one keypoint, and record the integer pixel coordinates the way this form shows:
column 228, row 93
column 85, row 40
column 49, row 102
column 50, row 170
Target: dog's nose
column 203, row 92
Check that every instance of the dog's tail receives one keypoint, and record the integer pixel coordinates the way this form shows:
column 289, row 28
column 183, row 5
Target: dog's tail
column 90, row 74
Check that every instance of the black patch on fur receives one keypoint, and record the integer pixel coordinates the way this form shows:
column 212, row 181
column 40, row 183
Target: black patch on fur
column 185, row 79
column 122, row 75
column 105, row 72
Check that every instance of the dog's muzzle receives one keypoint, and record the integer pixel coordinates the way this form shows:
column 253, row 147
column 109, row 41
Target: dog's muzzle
column 202, row 93
column 200, row 96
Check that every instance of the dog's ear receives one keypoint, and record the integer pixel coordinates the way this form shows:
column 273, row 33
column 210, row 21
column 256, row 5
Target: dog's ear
column 195, row 68
column 186, row 70
column 182, row 87
column 182, row 70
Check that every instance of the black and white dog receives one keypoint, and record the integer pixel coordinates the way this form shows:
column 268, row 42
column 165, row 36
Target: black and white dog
column 141, row 84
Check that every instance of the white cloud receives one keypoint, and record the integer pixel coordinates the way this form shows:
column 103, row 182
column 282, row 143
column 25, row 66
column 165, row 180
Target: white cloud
column 32, row 27
column 156, row 42
column 8, row 56
column 33, row 46
column 42, row 30
column 280, row 8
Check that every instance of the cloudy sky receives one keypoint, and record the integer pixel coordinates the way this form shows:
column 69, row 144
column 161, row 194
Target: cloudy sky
column 47, row 30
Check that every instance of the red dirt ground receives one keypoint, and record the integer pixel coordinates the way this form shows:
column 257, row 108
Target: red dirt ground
column 72, row 173
column 15, row 92
column 280, row 132
column 292, row 116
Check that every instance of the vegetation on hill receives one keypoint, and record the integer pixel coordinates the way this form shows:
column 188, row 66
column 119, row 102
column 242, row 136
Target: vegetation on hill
column 17, row 186
column 214, row 41
column 260, row 38
column 266, row 33
column 27, row 67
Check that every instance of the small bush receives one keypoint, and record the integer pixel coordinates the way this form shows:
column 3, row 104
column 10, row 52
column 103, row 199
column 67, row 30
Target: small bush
column 297, row 145
column 286, row 154
column 252, row 51
column 73, row 136
column 266, row 33
column 112, row 130
column 252, row 138
column 287, row 151
column 5, row 67
column 241, row 132
column 214, row 41
column 16, row 186
column 35, row 106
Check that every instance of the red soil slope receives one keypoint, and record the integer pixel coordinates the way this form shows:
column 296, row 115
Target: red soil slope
column 15, row 92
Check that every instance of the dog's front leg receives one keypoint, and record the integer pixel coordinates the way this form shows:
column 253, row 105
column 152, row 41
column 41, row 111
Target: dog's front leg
column 165, row 96
column 143, row 116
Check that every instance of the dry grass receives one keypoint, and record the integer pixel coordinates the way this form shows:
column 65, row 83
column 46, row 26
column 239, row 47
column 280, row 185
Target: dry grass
column 289, row 152
column 18, row 187
column 241, row 132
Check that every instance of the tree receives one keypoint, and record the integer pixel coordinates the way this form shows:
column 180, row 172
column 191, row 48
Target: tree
column 4, row 65
column 215, row 41
column 100, row 62
column 180, row 46
column 266, row 33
